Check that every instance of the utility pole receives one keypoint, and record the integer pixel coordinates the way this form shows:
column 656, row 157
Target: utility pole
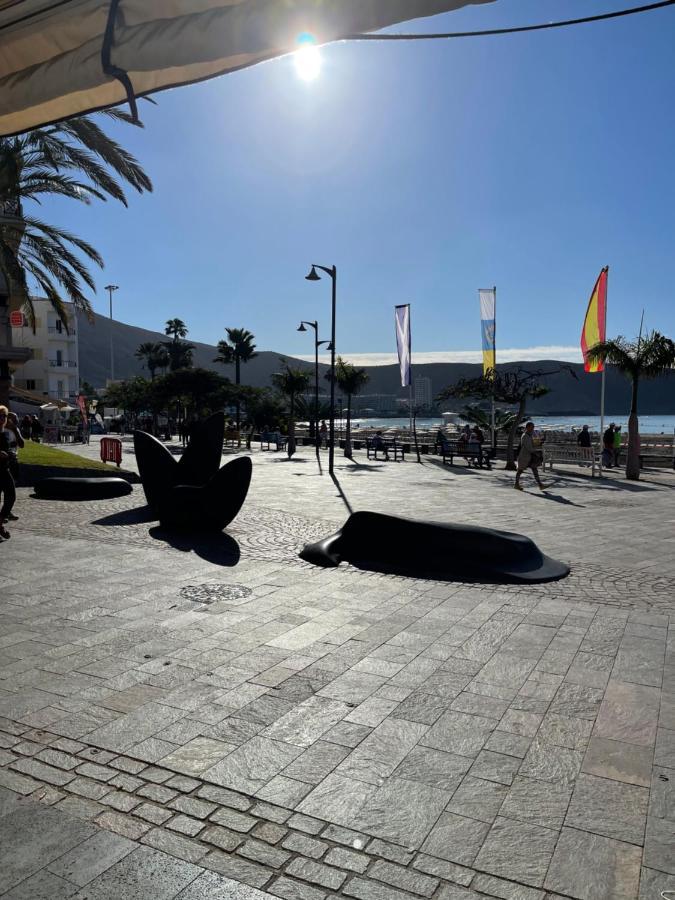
column 110, row 288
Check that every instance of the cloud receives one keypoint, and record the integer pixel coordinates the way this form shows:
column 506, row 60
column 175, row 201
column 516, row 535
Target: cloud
column 527, row 354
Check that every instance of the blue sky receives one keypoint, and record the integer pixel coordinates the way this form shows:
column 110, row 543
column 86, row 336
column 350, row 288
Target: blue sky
column 424, row 171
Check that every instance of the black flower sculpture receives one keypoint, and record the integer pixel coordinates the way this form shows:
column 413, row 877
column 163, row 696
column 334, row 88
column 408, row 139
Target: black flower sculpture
column 193, row 493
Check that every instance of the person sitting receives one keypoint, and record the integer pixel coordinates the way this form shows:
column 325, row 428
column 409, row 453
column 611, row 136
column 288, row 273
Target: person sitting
column 378, row 443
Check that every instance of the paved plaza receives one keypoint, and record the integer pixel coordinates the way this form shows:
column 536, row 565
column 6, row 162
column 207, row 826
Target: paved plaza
column 213, row 718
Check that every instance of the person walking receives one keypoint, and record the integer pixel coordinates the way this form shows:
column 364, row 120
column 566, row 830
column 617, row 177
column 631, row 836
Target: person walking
column 617, row 445
column 608, row 446
column 584, row 437
column 7, row 488
column 529, row 457
column 16, row 443
column 323, row 434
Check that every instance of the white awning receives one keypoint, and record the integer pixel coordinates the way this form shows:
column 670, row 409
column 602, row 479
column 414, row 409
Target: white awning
column 60, row 58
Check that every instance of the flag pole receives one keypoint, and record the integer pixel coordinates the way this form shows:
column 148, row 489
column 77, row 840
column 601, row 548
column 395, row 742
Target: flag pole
column 602, row 385
column 494, row 372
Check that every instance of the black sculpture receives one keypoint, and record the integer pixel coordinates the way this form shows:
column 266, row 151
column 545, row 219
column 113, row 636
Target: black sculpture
column 62, row 488
column 384, row 543
column 193, row 494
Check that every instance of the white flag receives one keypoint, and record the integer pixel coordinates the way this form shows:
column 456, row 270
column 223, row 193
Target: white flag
column 402, row 316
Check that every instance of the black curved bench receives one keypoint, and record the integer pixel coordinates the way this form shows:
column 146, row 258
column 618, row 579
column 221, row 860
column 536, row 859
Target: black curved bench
column 81, row 488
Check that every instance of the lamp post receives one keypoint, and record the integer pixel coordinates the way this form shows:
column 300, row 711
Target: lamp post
column 111, row 288
column 317, row 344
column 314, row 276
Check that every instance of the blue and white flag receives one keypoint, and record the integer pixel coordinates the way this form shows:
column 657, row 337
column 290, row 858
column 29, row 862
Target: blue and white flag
column 402, row 315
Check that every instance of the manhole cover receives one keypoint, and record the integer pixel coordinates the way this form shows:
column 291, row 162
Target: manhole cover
column 210, row 593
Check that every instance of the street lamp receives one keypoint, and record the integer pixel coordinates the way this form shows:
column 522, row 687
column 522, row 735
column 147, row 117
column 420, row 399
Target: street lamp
column 317, row 344
column 314, row 276
column 111, row 288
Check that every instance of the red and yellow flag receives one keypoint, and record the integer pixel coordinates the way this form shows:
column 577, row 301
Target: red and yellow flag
column 594, row 329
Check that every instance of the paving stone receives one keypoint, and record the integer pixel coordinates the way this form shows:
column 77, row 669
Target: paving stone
column 191, row 806
column 563, row 731
column 537, row 802
column 495, row 767
column 505, row 890
column 619, row 761
column 659, row 844
column 155, row 775
column 305, row 823
column 364, row 889
column 58, row 758
column 182, row 783
column 94, row 754
column 629, row 713
column 347, row 734
column 47, row 794
column 253, row 764
column 125, row 782
column 665, row 748
column 652, row 883
column 92, row 790
column 451, row 892
column 443, row 869
column 120, row 801
column 185, row 825
column 270, row 832
column 591, row 867
column 456, row 839
column 284, row 791
column 406, row 879
column 212, row 886
column 91, row 858
column 290, row 889
column 345, row 836
column 337, row 799
column 157, row 792
column 42, row 772
column 478, row 799
column 347, row 859
column 517, row 851
column 300, row 843
column 222, row 837
column 198, row 755
column 391, row 852
column 145, row 872
column 236, row 868
column 126, row 764
column 316, row 873
column 121, row 824
column 459, row 733
column 80, row 808
column 316, row 762
column 233, row 819
column 272, row 813
column 224, row 797
column 434, row 768
column 263, row 853
column 511, row 744
column 379, row 754
column 402, row 812
column 549, row 763
column 18, row 783
column 577, row 701
column 151, row 813
column 611, row 808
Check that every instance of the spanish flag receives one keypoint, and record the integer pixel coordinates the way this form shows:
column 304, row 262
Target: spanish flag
column 594, row 329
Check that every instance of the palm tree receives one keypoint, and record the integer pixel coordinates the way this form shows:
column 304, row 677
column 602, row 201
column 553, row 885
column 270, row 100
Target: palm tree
column 176, row 328
column 291, row 383
column 647, row 357
column 350, row 380
column 238, row 349
column 73, row 159
column 155, row 356
column 179, row 352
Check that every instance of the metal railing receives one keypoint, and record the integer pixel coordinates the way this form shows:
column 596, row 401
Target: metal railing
column 52, row 329
column 62, row 364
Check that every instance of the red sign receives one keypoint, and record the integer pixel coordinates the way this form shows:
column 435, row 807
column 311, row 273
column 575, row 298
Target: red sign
column 16, row 319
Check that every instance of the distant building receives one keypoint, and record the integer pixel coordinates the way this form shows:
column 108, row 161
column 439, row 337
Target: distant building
column 422, row 393
column 53, row 370
column 370, row 403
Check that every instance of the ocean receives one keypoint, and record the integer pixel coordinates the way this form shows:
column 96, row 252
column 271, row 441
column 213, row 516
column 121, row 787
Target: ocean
column 660, row 424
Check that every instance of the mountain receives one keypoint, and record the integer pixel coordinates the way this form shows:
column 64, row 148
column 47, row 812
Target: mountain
column 570, row 395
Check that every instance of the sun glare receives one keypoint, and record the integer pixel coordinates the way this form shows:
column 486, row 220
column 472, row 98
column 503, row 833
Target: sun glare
column 307, row 59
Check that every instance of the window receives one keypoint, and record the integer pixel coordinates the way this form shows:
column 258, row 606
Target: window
column 30, row 384
column 59, row 326
column 59, row 389
column 59, row 358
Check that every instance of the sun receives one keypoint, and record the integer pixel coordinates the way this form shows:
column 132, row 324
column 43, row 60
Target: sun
column 307, row 58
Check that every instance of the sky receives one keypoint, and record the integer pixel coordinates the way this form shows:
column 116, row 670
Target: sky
column 423, row 171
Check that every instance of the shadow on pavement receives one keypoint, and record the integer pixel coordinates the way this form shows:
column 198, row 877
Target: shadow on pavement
column 219, row 548
column 128, row 517
column 342, row 494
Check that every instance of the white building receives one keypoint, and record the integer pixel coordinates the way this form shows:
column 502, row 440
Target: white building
column 53, row 370
column 422, row 392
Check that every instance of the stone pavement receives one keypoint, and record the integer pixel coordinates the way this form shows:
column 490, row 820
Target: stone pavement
column 215, row 718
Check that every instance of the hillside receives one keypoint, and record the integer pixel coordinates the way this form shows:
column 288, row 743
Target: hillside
column 571, row 396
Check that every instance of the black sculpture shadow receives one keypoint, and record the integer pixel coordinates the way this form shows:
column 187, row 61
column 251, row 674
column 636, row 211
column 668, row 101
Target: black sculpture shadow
column 193, row 493
column 219, row 549
column 382, row 543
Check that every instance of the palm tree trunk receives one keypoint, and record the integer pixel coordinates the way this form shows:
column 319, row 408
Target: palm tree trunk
column 348, row 432
column 291, row 428
column 510, row 455
column 237, row 380
column 633, row 454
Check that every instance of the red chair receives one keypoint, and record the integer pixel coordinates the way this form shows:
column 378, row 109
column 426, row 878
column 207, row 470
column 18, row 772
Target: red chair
column 111, row 450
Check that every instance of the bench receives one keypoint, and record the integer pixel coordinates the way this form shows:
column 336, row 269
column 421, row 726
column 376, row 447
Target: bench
column 469, row 452
column 273, row 437
column 231, row 438
column 389, row 449
column 564, row 453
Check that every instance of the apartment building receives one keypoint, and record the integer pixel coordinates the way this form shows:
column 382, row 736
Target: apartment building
column 53, row 370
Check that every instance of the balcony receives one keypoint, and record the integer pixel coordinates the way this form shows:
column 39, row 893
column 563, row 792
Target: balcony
column 62, row 364
column 61, row 333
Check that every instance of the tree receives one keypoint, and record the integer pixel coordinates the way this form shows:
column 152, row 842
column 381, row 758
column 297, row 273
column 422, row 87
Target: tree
column 350, row 380
column 240, row 349
column 647, row 357
column 155, row 355
column 74, row 159
column 200, row 391
column 511, row 387
column 178, row 351
column 176, row 328
column 133, row 396
column 478, row 415
column 291, row 383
